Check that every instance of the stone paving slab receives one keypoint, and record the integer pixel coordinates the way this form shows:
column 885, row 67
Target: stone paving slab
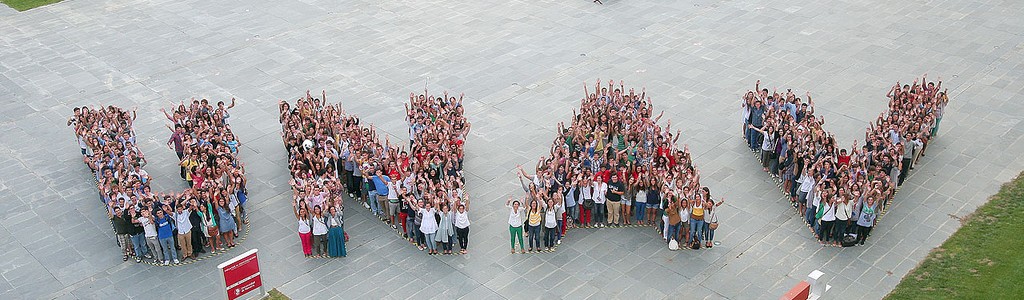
column 521, row 65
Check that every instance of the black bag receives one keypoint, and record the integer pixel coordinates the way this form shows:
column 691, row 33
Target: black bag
column 849, row 240
column 695, row 245
column 588, row 203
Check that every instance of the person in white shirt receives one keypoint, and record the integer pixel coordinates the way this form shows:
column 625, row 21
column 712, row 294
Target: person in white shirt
column 600, row 194
column 807, row 184
column 515, row 224
column 319, row 232
column 462, row 226
column 429, row 226
column 828, row 217
column 843, row 212
column 150, row 232
column 184, row 230
column 587, row 193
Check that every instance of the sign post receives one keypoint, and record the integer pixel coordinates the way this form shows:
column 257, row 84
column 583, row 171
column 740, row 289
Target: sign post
column 241, row 275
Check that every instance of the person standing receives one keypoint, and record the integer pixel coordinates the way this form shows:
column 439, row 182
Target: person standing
column 165, row 234
column 600, row 202
column 445, row 229
column 673, row 220
column 615, row 189
column 429, row 226
column 305, row 228
column 515, row 224
column 335, row 232
column 150, row 232
column 319, row 232
column 462, row 227
column 866, row 218
column 184, row 230
column 696, row 219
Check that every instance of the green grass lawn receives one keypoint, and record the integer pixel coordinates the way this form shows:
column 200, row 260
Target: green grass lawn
column 276, row 295
column 984, row 259
column 23, row 5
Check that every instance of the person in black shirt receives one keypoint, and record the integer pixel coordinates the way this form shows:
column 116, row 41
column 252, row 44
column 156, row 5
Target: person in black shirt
column 122, row 228
column 614, row 195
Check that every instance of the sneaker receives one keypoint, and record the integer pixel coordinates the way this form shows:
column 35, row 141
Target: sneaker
column 394, row 227
column 138, row 260
column 559, row 242
column 166, row 262
column 124, row 258
column 176, row 261
column 366, row 205
column 149, row 256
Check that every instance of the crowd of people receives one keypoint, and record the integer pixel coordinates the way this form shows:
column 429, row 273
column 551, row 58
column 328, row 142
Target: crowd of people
column 418, row 191
column 841, row 192
column 614, row 166
column 156, row 226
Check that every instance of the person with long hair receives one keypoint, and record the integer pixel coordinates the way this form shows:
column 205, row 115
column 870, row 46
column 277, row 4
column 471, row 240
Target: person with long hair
column 335, row 231
column 305, row 227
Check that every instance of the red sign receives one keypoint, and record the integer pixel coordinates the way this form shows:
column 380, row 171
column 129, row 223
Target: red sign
column 241, row 274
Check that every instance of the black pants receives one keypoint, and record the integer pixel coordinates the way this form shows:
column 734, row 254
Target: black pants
column 197, row 240
column 825, row 232
column 862, row 234
column 904, row 170
column 353, row 184
column 839, row 230
column 463, row 234
column 180, row 156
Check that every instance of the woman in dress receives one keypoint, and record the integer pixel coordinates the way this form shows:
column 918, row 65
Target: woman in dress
column 227, row 223
column 336, row 232
column 445, row 229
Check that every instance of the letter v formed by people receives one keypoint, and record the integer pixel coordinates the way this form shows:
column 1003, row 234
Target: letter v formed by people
column 811, row 168
column 331, row 152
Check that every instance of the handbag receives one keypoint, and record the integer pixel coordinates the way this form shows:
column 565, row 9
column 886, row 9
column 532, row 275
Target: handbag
column 673, row 245
column 713, row 225
column 588, row 203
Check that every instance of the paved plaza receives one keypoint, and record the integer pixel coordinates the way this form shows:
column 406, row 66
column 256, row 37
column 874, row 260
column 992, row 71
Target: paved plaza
column 522, row 65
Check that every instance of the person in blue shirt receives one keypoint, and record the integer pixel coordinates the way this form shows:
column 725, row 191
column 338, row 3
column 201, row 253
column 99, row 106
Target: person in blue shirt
column 380, row 184
column 165, row 234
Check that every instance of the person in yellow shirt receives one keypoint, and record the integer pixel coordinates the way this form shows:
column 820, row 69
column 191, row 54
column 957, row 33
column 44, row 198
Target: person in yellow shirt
column 190, row 164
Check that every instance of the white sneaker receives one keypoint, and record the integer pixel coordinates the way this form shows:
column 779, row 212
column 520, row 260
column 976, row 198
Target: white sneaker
column 559, row 242
column 176, row 261
column 366, row 205
column 166, row 262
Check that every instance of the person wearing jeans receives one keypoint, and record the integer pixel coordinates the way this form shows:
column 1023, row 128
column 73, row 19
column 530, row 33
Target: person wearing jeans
column 429, row 227
column 150, row 233
column 673, row 220
column 696, row 220
column 165, row 234
column 640, row 207
column 534, row 218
